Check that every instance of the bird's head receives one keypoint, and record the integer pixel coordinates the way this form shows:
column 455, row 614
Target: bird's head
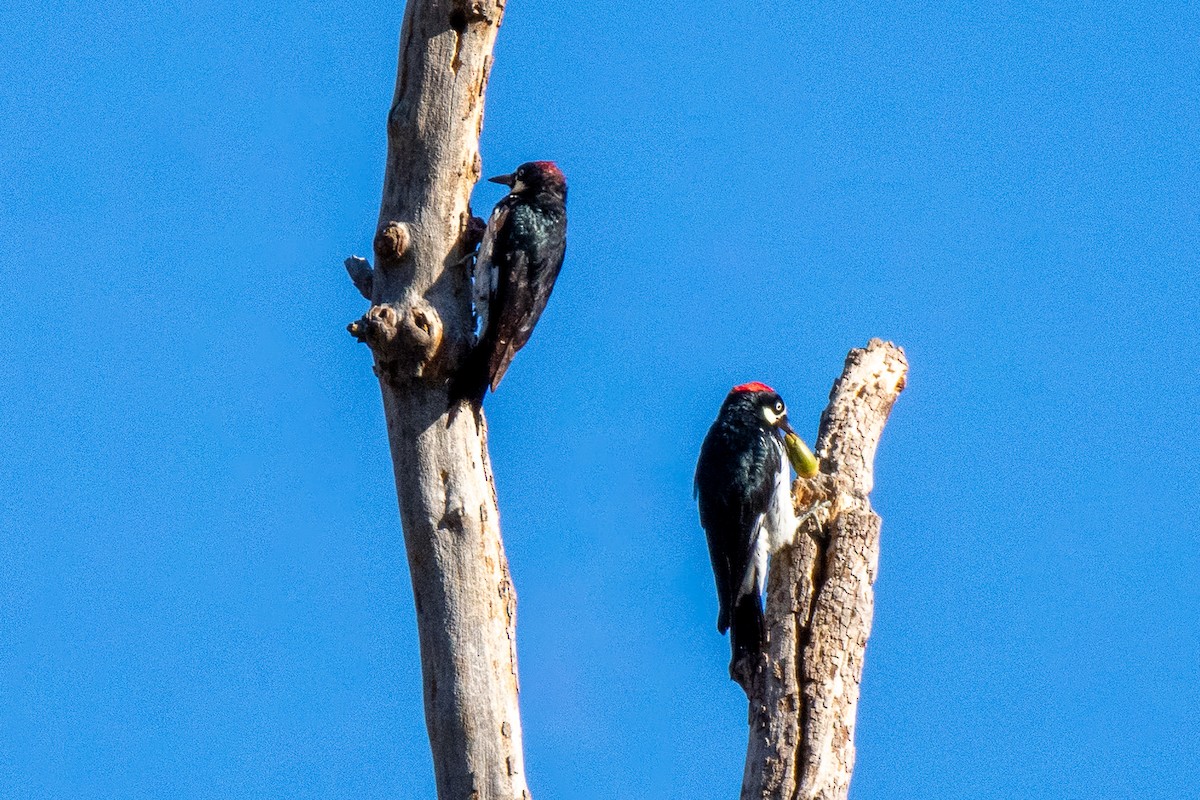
column 535, row 177
column 763, row 403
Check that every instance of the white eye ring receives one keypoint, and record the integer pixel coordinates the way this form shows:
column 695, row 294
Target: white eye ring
column 778, row 406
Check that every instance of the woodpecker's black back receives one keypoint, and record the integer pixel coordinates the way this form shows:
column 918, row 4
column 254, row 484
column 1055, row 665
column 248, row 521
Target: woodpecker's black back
column 736, row 483
column 518, row 262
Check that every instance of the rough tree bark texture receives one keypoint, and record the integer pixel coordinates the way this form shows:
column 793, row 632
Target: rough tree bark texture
column 820, row 601
column 418, row 329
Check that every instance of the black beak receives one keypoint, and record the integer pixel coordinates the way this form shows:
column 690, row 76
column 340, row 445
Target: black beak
column 507, row 180
column 785, row 427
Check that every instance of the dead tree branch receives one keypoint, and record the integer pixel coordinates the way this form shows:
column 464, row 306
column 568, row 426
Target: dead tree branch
column 820, row 601
column 418, row 328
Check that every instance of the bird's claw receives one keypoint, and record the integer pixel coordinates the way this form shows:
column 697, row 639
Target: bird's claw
column 819, row 514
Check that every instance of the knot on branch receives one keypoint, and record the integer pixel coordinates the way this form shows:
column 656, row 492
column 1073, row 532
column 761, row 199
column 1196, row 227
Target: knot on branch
column 376, row 329
column 405, row 340
column 422, row 335
column 361, row 274
column 391, row 243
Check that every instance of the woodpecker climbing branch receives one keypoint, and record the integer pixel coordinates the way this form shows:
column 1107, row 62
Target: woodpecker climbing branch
column 418, row 329
column 820, row 601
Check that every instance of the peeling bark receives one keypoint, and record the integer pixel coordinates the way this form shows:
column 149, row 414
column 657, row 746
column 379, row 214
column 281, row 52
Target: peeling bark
column 418, row 329
column 804, row 697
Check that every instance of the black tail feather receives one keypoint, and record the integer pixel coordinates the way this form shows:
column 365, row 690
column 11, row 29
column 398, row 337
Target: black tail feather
column 747, row 630
column 471, row 382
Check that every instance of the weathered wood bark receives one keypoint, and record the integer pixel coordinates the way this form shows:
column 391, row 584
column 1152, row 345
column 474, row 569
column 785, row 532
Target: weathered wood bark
column 820, row 601
column 418, row 328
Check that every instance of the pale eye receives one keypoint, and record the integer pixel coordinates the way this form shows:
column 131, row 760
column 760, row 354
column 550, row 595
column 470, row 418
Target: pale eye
column 778, row 407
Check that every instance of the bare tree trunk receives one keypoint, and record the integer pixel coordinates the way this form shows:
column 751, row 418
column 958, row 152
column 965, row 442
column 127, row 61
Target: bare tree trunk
column 802, row 706
column 820, row 601
column 418, row 328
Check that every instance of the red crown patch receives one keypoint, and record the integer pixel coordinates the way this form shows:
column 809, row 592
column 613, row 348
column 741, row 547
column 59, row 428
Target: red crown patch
column 753, row 386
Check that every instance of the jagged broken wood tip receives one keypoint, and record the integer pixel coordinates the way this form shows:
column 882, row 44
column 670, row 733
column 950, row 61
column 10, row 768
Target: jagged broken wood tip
column 361, row 274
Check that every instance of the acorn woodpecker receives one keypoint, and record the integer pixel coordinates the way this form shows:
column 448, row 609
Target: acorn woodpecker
column 515, row 269
column 744, row 490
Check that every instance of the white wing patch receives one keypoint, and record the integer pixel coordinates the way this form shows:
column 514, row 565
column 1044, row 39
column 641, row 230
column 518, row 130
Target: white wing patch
column 755, row 578
column 773, row 530
column 485, row 276
column 781, row 519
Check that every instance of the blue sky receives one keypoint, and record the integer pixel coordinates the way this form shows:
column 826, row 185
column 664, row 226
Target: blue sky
column 203, row 591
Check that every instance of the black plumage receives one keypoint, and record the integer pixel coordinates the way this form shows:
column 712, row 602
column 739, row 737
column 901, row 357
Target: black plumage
column 515, row 269
column 743, row 491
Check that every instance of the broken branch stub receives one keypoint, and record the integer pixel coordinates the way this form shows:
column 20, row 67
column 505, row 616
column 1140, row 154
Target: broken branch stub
column 361, row 275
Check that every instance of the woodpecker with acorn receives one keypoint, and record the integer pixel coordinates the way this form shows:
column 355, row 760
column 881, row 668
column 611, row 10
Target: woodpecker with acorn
column 515, row 268
column 743, row 486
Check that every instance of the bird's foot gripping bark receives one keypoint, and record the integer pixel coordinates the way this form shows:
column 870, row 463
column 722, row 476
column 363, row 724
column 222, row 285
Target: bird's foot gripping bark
column 815, row 521
column 471, row 236
column 814, row 501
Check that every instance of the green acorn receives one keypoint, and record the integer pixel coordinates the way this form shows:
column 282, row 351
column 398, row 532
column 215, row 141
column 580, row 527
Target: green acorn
column 803, row 460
